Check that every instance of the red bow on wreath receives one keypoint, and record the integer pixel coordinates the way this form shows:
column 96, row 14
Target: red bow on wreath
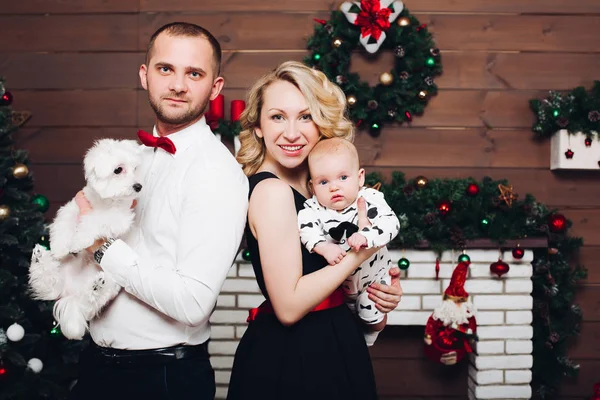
column 372, row 19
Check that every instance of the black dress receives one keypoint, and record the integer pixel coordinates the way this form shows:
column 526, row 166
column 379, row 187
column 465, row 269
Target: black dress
column 322, row 357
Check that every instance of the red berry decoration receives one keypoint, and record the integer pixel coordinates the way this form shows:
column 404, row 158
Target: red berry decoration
column 444, row 207
column 557, row 223
column 473, row 189
column 6, row 99
column 518, row 253
column 499, row 267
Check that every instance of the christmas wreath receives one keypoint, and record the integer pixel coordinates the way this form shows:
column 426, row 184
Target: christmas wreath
column 374, row 25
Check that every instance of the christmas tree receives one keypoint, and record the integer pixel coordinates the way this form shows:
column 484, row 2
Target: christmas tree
column 36, row 361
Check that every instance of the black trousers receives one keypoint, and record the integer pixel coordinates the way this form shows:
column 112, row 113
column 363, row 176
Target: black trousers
column 105, row 377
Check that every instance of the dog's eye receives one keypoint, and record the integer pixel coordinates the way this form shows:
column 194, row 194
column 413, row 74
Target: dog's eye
column 118, row 170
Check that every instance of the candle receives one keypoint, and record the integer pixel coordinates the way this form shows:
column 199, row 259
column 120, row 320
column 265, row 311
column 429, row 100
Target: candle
column 216, row 109
column 237, row 106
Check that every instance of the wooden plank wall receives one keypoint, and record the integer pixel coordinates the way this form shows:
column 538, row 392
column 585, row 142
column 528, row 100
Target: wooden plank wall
column 73, row 64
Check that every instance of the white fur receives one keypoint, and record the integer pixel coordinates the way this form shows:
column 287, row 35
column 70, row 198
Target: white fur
column 67, row 273
column 451, row 313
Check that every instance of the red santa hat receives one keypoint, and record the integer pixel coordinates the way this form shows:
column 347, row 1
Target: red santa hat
column 456, row 288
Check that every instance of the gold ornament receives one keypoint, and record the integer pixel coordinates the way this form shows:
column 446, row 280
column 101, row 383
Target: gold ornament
column 337, row 42
column 506, row 194
column 351, row 100
column 421, row 181
column 422, row 95
column 4, row 212
column 20, row 171
column 404, row 21
column 386, row 78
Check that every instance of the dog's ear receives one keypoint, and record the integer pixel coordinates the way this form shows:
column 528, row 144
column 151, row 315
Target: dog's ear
column 97, row 160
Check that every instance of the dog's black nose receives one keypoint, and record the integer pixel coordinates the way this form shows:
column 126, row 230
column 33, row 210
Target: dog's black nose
column 137, row 187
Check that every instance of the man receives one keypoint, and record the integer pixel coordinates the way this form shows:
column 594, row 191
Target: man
column 151, row 341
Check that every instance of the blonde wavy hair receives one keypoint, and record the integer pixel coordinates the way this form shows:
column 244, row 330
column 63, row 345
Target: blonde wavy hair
column 326, row 102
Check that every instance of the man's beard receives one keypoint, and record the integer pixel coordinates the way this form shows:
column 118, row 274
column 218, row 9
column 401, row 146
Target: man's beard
column 181, row 119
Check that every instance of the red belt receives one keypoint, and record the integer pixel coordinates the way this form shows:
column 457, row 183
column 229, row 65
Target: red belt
column 334, row 300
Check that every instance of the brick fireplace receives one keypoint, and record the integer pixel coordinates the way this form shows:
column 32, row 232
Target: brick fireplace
column 500, row 367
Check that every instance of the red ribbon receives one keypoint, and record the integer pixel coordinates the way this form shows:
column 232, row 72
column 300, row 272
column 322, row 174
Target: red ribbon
column 336, row 299
column 372, row 19
column 153, row 141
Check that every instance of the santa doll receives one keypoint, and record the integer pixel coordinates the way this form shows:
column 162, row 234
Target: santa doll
column 596, row 392
column 452, row 327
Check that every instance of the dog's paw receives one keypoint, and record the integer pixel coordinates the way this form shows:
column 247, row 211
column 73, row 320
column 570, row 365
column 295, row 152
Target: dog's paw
column 99, row 282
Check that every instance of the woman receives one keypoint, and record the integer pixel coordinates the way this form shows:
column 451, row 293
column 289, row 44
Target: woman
column 304, row 343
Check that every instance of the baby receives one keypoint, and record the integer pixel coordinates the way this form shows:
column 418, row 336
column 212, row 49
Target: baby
column 328, row 223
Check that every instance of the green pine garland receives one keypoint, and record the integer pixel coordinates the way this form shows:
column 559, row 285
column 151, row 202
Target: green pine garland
column 227, row 129
column 555, row 317
column 417, row 63
column 576, row 111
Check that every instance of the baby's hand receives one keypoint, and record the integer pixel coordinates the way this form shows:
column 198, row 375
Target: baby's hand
column 357, row 241
column 331, row 251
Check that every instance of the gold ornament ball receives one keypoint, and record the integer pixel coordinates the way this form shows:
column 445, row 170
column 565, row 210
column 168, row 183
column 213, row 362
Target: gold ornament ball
column 351, row 100
column 4, row 212
column 422, row 95
column 421, row 181
column 20, row 171
column 404, row 21
column 337, row 42
column 386, row 78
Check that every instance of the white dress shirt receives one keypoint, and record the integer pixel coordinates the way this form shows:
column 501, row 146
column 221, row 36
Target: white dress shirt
column 190, row 219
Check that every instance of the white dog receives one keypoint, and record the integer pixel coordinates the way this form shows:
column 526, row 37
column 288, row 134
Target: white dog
column 67, row 273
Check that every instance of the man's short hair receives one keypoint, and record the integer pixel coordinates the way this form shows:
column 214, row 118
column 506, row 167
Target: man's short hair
column 189, row 30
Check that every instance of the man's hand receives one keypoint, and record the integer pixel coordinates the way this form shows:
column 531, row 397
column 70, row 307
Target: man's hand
column 357, row 241
column 386, row 297
column 331, row 251
column 84, row 204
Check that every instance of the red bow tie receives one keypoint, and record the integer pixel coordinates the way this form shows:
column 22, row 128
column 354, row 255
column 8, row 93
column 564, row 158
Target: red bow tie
column 152, row 141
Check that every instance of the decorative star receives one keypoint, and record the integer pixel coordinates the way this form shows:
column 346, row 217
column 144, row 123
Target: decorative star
column 19, row 118
column 506, row 194
column 569, row 154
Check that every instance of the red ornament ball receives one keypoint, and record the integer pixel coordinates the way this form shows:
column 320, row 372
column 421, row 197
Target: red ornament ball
column 557, row 223
column 473, row 189
column 444, row 207
column 518, row 253
column 499, row 267
column 6, row 99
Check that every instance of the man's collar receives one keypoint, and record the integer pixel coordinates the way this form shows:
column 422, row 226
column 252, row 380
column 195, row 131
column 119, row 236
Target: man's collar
column 185, row 137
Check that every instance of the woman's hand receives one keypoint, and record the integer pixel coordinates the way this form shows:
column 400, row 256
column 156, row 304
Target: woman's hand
column 386, row 297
